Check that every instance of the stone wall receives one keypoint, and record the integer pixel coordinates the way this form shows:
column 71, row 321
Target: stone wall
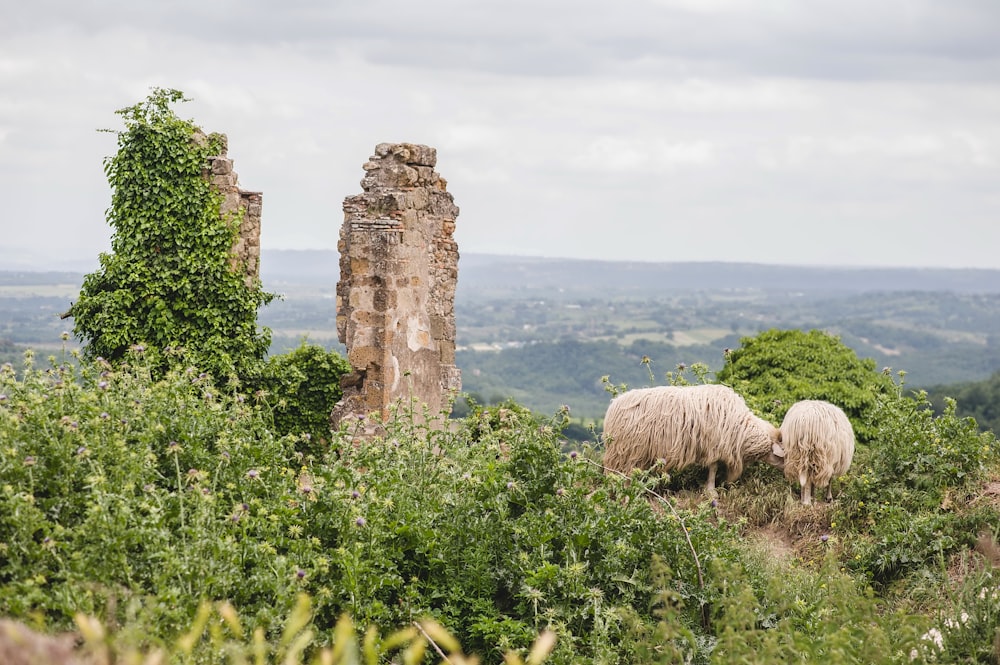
column 246, row 251
column 396, row 294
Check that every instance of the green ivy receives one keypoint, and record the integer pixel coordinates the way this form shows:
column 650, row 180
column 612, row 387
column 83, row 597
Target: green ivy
column 168, row 282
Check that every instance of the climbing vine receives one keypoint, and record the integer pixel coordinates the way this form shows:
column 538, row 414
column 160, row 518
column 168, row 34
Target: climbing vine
column 167, row 285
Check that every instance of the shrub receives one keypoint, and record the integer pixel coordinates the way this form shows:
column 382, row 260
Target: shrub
column 909, row 500
column 301, row 388
column 777, row 368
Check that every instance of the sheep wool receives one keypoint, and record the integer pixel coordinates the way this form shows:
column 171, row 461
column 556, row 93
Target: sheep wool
column 681, row 426
column 819, row 446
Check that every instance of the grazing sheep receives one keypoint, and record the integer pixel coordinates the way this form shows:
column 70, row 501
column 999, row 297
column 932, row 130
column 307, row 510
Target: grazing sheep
column 681, row 426
column 819, row 446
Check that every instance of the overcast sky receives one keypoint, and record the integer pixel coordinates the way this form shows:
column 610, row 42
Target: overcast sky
column 840, row 132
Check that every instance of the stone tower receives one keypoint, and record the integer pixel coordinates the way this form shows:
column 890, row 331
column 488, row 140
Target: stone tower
column 246, row 251
column 396, row 294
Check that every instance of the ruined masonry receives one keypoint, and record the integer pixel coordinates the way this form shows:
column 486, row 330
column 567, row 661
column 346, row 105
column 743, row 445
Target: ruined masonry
column 396, row 294
column 246, row 251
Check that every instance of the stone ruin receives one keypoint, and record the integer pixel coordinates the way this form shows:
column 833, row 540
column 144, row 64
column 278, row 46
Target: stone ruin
column 396, row 294
column 246, row 251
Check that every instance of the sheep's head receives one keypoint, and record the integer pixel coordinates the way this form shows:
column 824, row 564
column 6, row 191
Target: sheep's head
column 777, row 456
column 771, row 450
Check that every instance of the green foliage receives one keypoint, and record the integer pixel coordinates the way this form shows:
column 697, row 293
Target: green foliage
column 777, row 368
column 301, row 388
column 912, row 500
column 976, row 399
column 142, row 499
column 168, row 282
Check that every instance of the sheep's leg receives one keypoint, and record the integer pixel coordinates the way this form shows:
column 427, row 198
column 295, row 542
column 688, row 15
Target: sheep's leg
column 806, row 485
column 710, row 483
column 829, row 492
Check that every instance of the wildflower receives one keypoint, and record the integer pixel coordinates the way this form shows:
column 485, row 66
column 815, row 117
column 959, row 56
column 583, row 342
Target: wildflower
column 355, row 494
column 82, row 450
column 64, row 336
column 104, row 415
column 824, row 537
column 934, row 635
column 681, row 367
column 360, row 521
column 715, row 503
column 573, row 454
column 560, row 492
column 3, row 398
column 253, row 474
column 300, row 573
column 29, row 461
column 138, row 348
column 225, row 455
column 173, row 447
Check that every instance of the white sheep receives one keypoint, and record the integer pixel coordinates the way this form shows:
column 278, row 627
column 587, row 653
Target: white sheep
column 819, row 446
column 681, row 426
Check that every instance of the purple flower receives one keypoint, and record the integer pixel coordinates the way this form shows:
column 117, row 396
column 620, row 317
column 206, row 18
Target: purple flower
column 103, row 385
column 29, row 461
column 82, row 450
column 253, row 473
column 225, row 454
column 715, row 503
column 560, row 492
column 104, row 415
column 3, row 398
column 173, row 446
column 573, row 454
column 360, row 521
column 510, row 485
column 355, row 494
column 300, row 573
column 824, row 537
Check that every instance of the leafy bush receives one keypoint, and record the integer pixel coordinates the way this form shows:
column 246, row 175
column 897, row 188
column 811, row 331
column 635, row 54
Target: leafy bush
column 910, row 500
column 777, row 368
column 301, row 388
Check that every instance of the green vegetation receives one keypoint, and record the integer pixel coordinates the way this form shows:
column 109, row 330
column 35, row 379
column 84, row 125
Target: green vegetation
column 136, row 498
column 976, row 399
column 780, row 367
column 168, row 283
column 303, row 385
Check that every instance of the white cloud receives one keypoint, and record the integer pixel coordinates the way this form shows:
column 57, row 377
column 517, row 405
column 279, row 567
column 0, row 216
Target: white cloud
column 711, row 129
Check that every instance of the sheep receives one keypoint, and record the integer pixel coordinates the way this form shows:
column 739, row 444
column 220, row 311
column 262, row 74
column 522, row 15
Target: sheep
column 681, row 426
column 819, row 446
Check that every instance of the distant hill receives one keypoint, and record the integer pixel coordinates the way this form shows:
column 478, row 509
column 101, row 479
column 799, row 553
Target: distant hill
column 486, row 272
